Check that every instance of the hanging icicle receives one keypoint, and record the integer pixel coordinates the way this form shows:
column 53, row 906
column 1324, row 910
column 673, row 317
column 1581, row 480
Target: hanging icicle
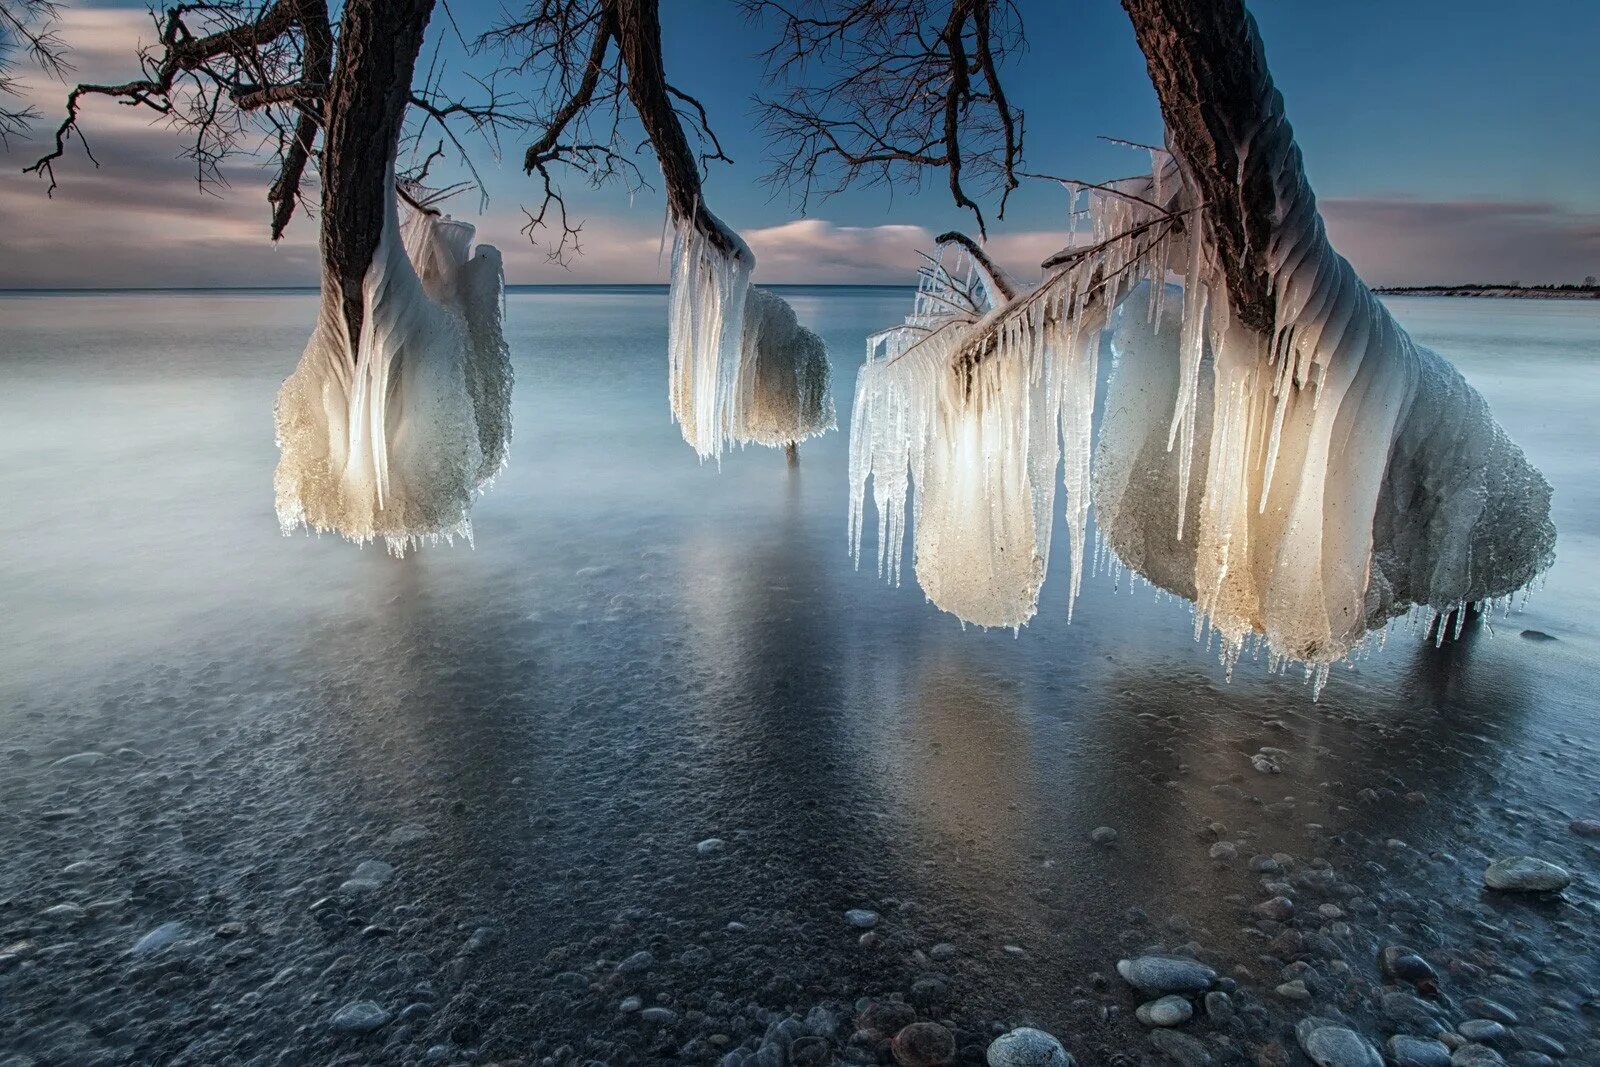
column 391, row 434
column 1303, row 488
column 742, row 369
column 710, row 282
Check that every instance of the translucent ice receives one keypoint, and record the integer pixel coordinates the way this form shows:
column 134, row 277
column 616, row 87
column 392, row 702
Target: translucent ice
column 742, row 369
column 1304, row 485
column 783, row 375
column 391, row 434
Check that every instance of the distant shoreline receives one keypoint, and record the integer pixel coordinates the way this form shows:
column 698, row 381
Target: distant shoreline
column 1509, row 292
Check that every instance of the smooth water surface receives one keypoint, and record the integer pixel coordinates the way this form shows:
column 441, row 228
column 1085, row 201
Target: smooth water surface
column 640, row 653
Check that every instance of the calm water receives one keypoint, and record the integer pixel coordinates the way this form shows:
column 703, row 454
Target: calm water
column 641, row 652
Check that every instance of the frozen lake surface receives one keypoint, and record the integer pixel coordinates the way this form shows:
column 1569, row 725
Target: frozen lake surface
column 206, row 728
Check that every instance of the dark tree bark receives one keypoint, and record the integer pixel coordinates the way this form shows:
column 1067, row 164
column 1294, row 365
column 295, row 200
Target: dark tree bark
column 1225, row 120
column 366, row 103
column 638, row 28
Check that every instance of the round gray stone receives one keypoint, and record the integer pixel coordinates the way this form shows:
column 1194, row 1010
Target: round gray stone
column 1166, row 974
column 1027, row 1047
column 1168, row 1011
column 1526, row 874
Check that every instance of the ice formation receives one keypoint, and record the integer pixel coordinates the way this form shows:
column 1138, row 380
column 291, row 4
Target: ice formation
column 705, row 331
column 1302, row 488
column 391, row 434
column 742, row 369
column 783, row 375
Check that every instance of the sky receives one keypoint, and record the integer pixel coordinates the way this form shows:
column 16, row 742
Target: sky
column 1448, row 141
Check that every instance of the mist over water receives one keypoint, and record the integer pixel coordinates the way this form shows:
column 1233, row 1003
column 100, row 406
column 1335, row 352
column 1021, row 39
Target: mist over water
column 641, row 652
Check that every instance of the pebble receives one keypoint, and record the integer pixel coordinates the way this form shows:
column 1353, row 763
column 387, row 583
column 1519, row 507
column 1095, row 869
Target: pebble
column 1166, row 974
column 659, row 1016
column 1168, row 1011
column 1397, row 961
column 64, row 913
column 861, row 918
column 1331, row 1045
column 943, row 952
column 1585, row 827
column 630, row 1005
column 711, row 845
column 924, row 1045
column 81, row 869
column 1484, row 1008
column 1295, row 990
column 1408, row 1051
column 373, row 871
column 1224, row 850
column 637, row 963
column 158, row 939
column 359, row 1017
column 1526, row 874
column 1481, row 1031
column 1219, row 1007
column 1475, row 1056
column 1027, row 1047
column 1181, row 1047
column 1103, row 835
column 1278, row 909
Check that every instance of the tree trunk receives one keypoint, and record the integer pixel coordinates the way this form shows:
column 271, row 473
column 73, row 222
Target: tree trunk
column 638, row 25
column 1226, row 124
column 366, row 103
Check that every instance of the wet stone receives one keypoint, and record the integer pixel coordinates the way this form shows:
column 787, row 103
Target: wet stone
column 1483, row 1008
column 1278, row 909
column 359, row 1017
column 1168, row 1011
column 1396, row 961
column 1482, row 1031
column 1027, row 1047
column 924, row 1045
column 160, row 938
column 1166, row 974
column 637, row 963
column 1103, row 835
column 1407, row 1051
column 1526, row 874
column 861, row 918
column 943, row 952
column 1331, row 1045
column 1183, row 1049
column 659, row 1016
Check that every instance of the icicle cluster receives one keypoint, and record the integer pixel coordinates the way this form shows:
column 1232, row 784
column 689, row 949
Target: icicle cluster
column 391, row 434
column 1301, row 488
column 975, row 418
column 783, row 377
column 742, row 369
column 705, row 332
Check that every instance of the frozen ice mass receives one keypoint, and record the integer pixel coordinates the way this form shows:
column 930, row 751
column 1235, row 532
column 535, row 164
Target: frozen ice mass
column 392, row 434
column 741, row 368
column 1302, row 488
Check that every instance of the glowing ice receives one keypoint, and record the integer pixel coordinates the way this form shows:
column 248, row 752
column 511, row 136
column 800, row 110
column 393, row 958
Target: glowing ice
column 392, row 434
column 1304, row 487
column 742, row 369
column 783, row 375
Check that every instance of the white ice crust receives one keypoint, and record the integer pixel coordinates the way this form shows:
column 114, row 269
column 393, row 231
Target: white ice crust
column 1302, row 488
column 741, row 368
column 391, row 435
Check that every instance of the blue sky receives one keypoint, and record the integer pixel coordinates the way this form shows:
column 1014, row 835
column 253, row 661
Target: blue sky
column 1447, row 142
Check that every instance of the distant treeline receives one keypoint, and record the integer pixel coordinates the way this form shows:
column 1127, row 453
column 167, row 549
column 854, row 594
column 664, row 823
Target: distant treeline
column 1512, row 289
